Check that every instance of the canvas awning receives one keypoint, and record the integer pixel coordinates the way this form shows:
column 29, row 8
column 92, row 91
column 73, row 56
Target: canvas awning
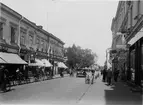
column 2, row 61
column 46, row 63
column 138, row 36
column 38, row 62
column 62, row 65
column 10, row 58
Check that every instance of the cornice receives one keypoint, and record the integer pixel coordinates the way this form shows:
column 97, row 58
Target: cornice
column 135, row 28
column 32, row 24
column 3, row 20
column 10, row 11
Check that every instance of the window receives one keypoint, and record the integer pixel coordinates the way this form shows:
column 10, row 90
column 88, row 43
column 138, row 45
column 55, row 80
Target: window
column 13, row 33
column 22, row 40
column 1, row 30
column 132, row 64
column 131, row 16
column 30, row 40
column 38, row 43
column 142, row 63
column 42, row 45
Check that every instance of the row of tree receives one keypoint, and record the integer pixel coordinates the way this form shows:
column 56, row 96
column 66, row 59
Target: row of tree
column 80, row 58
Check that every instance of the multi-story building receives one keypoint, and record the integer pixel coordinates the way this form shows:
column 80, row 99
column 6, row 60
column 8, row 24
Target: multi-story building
column 130, row 26
column 20, row 36
column 118, row 52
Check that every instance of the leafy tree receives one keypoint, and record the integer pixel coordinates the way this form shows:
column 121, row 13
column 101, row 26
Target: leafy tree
column 80, row 58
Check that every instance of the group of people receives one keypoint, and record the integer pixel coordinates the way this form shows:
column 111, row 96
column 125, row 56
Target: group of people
column 17, row 74
column 109, row 75
column 91, row 75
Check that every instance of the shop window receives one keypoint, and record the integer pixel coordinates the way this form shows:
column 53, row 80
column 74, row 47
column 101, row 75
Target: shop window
column 132, row 64
column 1, row 30
column 142, row 64
column 13, row 33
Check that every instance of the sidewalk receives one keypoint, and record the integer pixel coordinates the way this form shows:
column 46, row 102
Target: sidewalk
column 118, row 94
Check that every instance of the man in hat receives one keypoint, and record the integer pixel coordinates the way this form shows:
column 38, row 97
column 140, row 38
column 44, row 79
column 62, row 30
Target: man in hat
column 109, row 76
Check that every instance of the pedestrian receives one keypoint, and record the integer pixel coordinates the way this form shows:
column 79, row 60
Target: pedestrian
column 104, row 74
column 92, row 81
column 116, row 74
column 2, row 78
column 7, row 85
column 109, row 76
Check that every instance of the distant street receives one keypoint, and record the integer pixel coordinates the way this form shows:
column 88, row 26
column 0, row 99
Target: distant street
column 70, row 90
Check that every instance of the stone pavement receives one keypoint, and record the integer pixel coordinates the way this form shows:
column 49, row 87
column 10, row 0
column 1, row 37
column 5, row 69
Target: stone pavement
column 118, row 94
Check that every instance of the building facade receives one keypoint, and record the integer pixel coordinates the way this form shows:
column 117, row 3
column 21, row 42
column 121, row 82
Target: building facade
column 21, row 36
column 130, row 27
column 119, row 52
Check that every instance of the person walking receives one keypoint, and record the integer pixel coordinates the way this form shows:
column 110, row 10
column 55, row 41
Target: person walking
column 109, row 76
column 116, row 74
column 104, row 74
column 2, row 78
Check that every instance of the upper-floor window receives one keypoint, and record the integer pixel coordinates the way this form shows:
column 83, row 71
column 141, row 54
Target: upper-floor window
column 2, row 23
column 31, row 40
column 131, row 16
column 38, row 42
column 22, row 40
column 42, row 45
column 13, row 34
column 1, row 30
column 22, row 36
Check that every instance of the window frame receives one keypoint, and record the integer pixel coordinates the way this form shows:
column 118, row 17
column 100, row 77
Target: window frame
column 1, row 30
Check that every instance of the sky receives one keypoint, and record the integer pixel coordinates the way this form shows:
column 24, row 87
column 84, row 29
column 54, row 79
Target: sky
column 85, row 23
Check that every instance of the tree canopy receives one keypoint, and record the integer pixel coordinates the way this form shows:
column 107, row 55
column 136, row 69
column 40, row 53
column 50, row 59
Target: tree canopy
column 80, row 58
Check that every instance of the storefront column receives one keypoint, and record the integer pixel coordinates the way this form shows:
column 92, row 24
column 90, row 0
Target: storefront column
column 137, row 63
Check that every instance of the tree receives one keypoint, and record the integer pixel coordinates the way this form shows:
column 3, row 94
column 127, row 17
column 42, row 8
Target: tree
column 80, row 58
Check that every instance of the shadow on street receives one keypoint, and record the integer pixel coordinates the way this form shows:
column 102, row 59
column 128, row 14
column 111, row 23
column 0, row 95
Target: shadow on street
column 121, row 95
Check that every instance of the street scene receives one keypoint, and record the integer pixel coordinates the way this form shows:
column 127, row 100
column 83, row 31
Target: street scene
column 71, row 91
column 71, row 52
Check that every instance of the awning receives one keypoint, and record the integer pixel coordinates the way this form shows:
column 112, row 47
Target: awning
column 2, row 61
column 46, row 63
column 138, row 36
column 37, row 63
column 62, row 65
column 10, row 58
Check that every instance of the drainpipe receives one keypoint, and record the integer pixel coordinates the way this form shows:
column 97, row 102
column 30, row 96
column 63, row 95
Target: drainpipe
column 19, row 34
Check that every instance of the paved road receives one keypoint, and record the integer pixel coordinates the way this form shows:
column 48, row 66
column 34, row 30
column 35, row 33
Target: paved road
column 70, row 90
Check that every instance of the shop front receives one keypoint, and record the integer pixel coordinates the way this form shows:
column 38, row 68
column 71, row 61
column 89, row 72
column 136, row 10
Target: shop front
column 135, row 60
